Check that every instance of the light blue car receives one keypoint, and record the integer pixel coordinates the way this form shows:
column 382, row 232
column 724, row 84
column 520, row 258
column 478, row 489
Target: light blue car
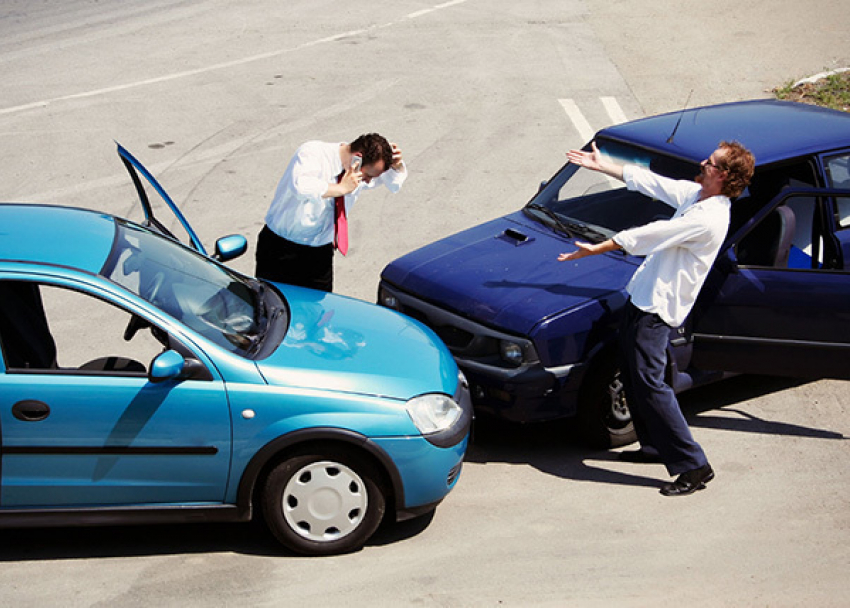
column 143, row 381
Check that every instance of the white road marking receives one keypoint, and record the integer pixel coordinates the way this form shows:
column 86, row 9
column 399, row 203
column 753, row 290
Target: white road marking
column 583, row 127
column 220, row 66
column 614, row 110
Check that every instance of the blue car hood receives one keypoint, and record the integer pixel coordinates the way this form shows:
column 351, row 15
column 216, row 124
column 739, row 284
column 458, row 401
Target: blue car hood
column 338, row 343
column 505, row 274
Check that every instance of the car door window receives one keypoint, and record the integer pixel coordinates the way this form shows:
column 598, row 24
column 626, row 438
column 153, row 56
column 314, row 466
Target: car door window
column 838, row 174
column 794, row 235
column 53, row 329
column 807, row 242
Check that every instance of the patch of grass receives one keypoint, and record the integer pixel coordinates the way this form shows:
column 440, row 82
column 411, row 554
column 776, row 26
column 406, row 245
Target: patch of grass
column 832, row 91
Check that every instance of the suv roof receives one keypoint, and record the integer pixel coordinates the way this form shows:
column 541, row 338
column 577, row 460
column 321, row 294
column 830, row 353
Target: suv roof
column 60, row 236
column 773, row 130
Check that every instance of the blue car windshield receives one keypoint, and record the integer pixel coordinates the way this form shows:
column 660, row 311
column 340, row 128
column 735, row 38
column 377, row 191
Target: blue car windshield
column 207, row 297
column 592, row 206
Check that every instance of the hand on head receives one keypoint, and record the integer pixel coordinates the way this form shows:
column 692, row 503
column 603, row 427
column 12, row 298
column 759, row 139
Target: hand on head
column 397, row 159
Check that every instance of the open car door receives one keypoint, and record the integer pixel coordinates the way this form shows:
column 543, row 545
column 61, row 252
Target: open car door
column 134, row 167
column 787, row 314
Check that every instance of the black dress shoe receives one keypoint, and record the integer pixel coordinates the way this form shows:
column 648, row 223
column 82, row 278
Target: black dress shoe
column 689, row 482
column 639, row 456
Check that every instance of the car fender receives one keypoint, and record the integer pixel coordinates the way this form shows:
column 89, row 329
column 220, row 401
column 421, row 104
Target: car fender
column 275, row 450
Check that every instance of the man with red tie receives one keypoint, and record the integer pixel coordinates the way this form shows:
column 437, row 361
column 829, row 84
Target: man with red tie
column 308, row 217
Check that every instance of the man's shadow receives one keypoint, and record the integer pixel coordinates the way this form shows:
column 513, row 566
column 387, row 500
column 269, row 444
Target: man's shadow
column 557, row 447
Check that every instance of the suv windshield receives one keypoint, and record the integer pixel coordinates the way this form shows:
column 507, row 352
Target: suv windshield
column 221, row 305
column 592, row 206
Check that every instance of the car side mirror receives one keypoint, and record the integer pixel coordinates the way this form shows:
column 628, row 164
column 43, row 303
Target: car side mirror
column 230, row 247
column 166, row 366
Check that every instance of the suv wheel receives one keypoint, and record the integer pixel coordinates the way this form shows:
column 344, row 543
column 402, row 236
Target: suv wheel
column 604, row 418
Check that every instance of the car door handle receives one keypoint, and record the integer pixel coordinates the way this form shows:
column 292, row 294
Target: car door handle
column 30, row 410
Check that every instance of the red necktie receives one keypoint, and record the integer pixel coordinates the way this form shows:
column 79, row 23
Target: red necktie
column 340, row 222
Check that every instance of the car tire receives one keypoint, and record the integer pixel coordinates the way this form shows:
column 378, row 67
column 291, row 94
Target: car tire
column 323, row 503
column 604, row 419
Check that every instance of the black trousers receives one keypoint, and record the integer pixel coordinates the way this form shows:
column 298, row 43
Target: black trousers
column 659, row 423
column 283, row 261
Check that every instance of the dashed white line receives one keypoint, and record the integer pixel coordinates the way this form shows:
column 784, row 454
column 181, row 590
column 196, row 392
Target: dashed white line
column 615, row 112
column 581, row 124
column 583, row 127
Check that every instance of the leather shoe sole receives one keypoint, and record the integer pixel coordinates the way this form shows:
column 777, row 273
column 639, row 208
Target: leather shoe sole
column 639, row 456
column 689, row 482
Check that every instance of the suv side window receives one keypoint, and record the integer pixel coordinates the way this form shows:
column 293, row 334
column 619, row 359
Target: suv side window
column 795, row 235
column 838, row 174
column 790, row 236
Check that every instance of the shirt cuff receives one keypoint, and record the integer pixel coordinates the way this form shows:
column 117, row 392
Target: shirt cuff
column 623, row 240
column 629, row 176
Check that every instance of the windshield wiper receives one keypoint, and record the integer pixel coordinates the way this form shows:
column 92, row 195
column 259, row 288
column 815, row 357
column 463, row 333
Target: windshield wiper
column 587, row 231
column 559, row 223
column 568, row 227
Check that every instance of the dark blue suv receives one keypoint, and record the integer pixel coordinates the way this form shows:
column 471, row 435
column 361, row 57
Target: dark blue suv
column 536, row 338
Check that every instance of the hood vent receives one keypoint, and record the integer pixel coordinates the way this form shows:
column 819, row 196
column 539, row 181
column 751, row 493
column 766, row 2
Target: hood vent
column 515, row 237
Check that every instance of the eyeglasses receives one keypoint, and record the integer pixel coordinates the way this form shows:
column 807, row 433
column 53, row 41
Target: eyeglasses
column 711, row 164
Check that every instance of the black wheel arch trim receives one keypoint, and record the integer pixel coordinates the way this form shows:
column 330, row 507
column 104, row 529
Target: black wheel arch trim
column 269, row 452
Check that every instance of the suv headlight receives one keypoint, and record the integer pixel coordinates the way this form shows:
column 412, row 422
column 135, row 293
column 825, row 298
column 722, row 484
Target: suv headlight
column 433, row 412
column 386, row 298
column 511, row 352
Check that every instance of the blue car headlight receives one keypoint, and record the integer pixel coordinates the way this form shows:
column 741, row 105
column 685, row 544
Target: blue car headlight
column 433, row 412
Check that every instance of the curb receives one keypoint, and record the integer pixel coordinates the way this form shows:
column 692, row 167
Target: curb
column 821, row 76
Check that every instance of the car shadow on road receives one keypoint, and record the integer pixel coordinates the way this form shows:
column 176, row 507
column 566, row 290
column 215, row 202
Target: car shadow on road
column 253, row 538
column 40, row 544
column 726, row 397
column 556, row 447
column 43, row 544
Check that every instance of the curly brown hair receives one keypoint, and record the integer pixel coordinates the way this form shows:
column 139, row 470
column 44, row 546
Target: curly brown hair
column 373, row 148
column 739, row 164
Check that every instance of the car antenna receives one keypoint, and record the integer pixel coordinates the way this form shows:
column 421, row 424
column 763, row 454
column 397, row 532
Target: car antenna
column 682, row 113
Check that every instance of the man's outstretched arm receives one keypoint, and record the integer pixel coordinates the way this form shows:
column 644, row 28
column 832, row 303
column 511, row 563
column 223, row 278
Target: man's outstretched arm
column 595, row 161
column 586, row 249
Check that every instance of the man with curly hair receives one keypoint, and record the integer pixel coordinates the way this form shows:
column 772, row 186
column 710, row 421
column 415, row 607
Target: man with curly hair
column 679, row 254
column 307, row 219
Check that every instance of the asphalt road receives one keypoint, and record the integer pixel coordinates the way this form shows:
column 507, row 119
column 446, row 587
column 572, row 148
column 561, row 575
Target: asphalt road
column 483, row 97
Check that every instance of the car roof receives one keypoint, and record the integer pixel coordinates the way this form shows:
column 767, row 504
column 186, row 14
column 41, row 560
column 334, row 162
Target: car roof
column 772, row 130
column 60, row 236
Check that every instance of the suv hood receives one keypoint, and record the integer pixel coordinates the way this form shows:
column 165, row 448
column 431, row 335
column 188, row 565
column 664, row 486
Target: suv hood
column 505, row 273
column 338, row 343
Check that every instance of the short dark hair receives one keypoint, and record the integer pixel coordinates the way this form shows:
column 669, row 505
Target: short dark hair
column 373, row 148
column 739, row 164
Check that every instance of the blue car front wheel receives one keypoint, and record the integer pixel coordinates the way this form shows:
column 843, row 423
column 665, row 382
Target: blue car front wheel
column 323, row 503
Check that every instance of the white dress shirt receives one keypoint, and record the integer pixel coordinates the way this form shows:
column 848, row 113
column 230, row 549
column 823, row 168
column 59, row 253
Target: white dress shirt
column 298, row 212
column 680, row 251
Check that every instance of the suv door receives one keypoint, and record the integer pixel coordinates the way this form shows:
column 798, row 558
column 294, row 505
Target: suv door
column 777, row 312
